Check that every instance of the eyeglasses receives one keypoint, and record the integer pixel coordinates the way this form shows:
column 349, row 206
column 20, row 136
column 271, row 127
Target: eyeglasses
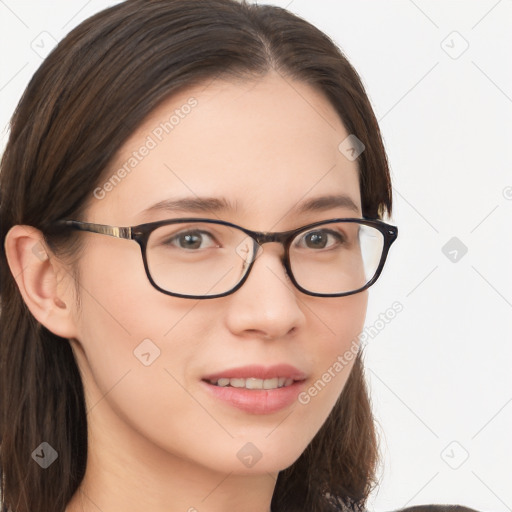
column 205, row 258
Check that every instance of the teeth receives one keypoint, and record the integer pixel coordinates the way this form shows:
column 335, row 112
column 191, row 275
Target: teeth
column 237, row 383
column 253, row 383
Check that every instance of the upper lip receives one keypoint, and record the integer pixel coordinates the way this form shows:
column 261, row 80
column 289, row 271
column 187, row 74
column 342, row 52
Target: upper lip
column 259, row 372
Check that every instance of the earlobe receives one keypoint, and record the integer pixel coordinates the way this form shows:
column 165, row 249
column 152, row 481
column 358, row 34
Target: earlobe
column 35, row 273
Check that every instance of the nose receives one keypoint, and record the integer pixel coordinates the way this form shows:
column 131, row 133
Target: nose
column 267, row 304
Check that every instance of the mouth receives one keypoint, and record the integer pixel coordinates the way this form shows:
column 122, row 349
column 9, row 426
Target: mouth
column 257, row 389
column 250, row 396
column 253, row 382
column 257, row 377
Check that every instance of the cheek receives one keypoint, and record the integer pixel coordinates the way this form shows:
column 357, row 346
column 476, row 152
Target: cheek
column 119, row 301
column 138, row 346
column 335, row 347
column 336, row 324
column 133, row 336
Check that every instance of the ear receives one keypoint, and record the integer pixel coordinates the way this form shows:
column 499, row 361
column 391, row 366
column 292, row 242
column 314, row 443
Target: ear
column 36, row 272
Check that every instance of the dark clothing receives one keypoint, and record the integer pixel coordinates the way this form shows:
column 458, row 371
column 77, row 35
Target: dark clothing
column 437, row 508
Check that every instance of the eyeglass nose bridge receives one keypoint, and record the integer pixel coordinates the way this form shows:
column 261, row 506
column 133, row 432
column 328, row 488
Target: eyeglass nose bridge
column 258, row 239
column 264, row 237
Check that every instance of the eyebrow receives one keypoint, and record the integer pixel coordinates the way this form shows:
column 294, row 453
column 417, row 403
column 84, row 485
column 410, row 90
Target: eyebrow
column 216, row 205
column 323, row 203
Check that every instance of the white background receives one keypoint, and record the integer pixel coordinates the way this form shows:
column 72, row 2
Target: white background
column 440, row 371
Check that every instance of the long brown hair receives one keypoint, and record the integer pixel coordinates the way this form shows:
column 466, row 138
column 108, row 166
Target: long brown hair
column 81, row 105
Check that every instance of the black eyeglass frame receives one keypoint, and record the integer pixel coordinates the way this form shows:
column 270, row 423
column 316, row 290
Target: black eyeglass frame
column 142, row 232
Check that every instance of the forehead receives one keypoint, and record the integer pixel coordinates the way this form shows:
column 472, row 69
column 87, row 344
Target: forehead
column 265, row 145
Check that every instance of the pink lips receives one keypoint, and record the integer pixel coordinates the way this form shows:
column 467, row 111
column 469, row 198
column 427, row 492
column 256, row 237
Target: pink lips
column 257, row 401
column 259, row 372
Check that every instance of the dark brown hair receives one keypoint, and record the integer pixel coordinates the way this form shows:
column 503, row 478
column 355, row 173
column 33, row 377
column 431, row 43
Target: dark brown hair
column 81, row 105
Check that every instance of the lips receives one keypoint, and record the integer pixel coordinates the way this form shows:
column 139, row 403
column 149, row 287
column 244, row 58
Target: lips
column 259, row 394
column 278, row 371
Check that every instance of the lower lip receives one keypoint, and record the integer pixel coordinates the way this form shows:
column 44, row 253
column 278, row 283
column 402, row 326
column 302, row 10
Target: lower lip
column 257, row 401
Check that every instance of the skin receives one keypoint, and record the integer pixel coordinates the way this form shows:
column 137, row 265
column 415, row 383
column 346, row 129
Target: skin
column 157, row 441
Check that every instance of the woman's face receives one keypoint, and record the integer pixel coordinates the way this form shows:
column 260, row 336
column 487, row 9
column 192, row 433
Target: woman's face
column 266, row 146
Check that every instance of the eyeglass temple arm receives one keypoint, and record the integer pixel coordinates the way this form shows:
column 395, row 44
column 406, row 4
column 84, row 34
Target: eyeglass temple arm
column 115, row 231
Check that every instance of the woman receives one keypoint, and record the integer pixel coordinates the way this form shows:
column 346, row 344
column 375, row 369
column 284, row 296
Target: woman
column 192, row 360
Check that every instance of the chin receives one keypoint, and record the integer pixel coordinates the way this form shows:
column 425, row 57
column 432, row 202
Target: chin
column 250, row 457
